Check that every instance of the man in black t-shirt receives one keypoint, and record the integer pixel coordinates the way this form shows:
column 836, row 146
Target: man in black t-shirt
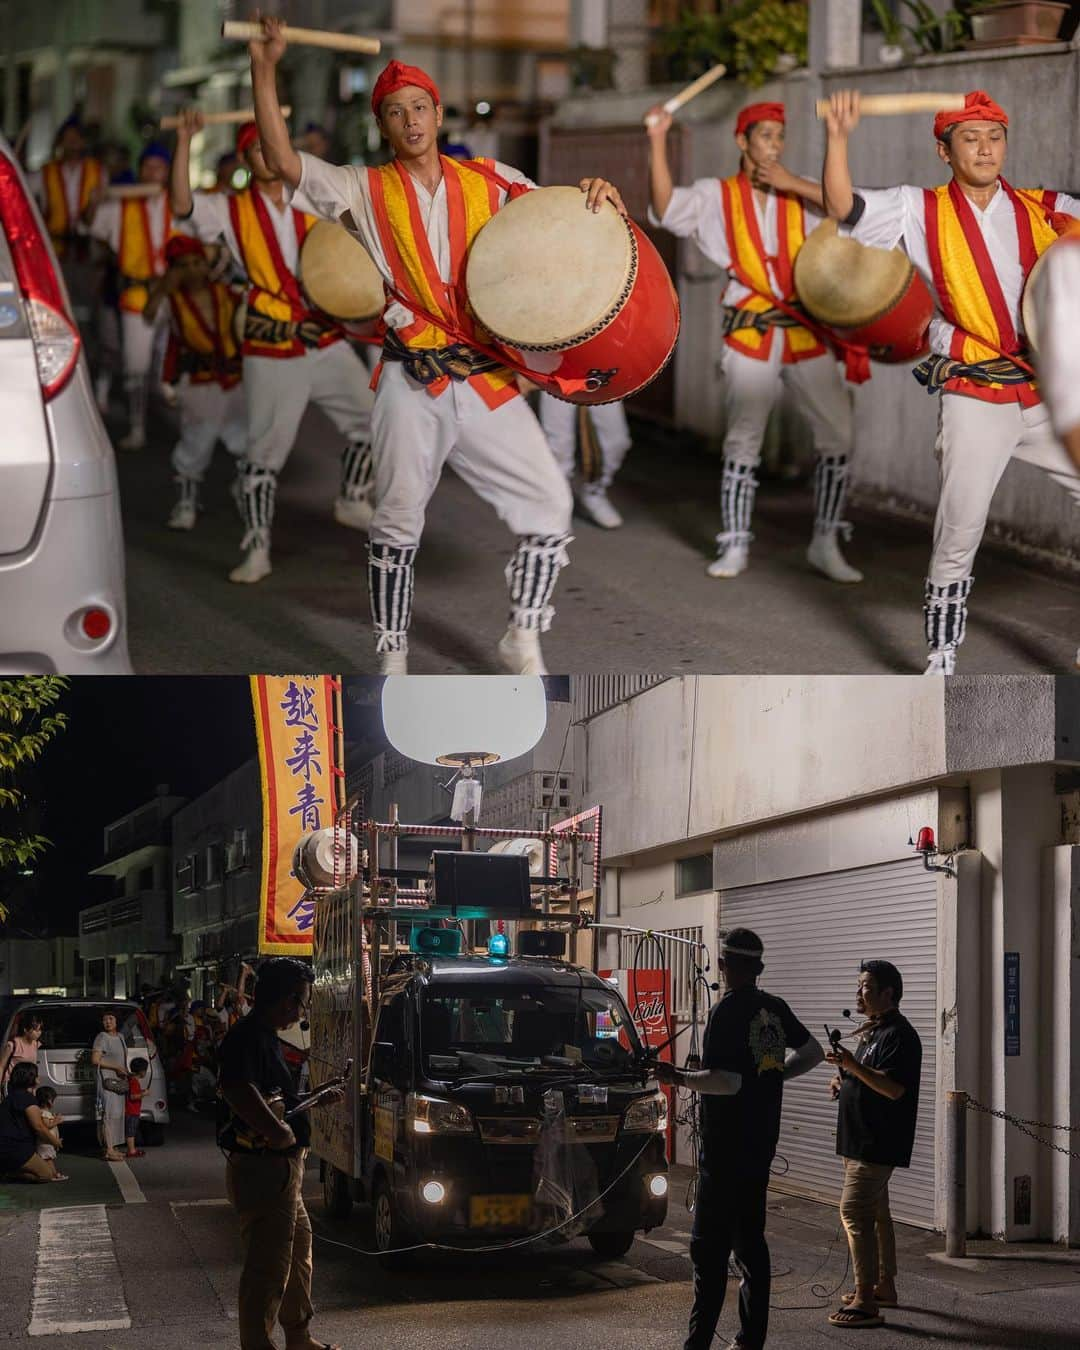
column 745, row 1064
column 877, row 1089
column 266, row 1162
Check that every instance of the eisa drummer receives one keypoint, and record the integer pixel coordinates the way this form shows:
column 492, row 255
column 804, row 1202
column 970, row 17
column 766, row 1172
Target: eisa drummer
column 438, row 399
column 753, row 224
column 974, row 240
column 292, row 356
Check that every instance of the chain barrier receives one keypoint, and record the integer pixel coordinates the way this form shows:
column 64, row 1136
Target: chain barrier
column 1029, row 1127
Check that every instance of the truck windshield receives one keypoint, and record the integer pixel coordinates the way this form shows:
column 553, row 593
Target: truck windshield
column 515, row 1027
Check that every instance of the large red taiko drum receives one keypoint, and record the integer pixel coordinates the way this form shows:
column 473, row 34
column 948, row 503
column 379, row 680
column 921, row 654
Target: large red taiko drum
column 579, row 301
column 868, row 297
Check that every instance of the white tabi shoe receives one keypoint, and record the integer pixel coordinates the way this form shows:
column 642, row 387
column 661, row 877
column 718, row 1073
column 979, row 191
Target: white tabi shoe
column 255, row 566
column 824, row 555
column 595, row 503
column 134, row 440
column 519, row 652
column 183, row 515
column 941, row 662
column 357, row 514
column 394, row 663
column 734, row 559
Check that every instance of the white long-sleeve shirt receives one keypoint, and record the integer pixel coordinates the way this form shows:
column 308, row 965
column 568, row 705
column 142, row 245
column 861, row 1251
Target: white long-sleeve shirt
column 697, row 212
column 897, row 217
column 107, row 219
column 1057, row 304
column 329, row 190
column 211, row 221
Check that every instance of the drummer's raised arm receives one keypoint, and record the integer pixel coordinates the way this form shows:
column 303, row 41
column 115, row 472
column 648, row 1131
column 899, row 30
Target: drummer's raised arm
column 281, row 158
column 660, row 183
column 841, row 119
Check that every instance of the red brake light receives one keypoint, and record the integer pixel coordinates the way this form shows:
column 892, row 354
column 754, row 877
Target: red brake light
column 56, row 338
column 96, row 624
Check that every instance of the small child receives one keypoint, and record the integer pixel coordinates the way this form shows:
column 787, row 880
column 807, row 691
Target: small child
column 133, row 1106
column 45, row 1096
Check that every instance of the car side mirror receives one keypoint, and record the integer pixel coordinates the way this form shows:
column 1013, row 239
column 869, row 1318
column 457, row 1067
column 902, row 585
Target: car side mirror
column 383, row 1059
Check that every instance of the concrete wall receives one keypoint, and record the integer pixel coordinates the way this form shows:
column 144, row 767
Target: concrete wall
column 895, row 418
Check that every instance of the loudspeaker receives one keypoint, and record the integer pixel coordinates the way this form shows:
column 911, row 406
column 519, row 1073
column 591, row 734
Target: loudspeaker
column 541, row 942
column 435, row 941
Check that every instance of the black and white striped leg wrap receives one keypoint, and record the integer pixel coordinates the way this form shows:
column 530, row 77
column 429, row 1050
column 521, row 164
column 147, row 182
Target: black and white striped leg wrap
column 188, row 490
column 138, row 393
column 830, row 495
column 390, row 584
column 945, row 613
column 258, row 488
column 357, row 471
column 737, row 488
column 531, row 575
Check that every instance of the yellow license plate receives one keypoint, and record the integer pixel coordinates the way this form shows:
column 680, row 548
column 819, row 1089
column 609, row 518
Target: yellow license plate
column 499, row 1211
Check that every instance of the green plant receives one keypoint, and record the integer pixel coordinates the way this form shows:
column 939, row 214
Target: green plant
column 696, row 42
column 767, row 31
column 892, row 30
column 27, row 725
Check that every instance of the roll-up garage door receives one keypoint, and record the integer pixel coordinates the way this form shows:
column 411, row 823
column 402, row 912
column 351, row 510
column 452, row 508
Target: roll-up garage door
column 816, row 930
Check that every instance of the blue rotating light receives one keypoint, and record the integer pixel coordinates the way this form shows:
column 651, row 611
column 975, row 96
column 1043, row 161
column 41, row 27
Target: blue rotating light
column 498, row 945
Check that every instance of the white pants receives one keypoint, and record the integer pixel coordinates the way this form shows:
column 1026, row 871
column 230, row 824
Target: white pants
column 140, row 340
column 560, row 422
column 502, row 454
column 975, row 442
column 277, row 391
column 751, row 389
column 208, row 414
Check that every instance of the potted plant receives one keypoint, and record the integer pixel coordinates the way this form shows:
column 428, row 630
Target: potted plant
column 1010, row 23
column 771, row 38
column 892, row 50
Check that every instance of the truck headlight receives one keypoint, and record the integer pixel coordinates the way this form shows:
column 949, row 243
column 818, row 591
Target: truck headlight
column 647, row 1114
column 434, row 1115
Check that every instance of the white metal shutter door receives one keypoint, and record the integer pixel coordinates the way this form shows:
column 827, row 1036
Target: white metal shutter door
column 816, row 931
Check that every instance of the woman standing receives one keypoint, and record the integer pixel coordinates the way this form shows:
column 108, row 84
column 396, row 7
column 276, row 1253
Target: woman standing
column 22, row 1128
column 21, row 1049
column 109, row 1057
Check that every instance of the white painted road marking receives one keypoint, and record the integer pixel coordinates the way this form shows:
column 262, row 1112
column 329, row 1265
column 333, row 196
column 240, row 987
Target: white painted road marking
column 679, row 1248
column 77, row 1283
column 196, row 1204
column 129, row 1186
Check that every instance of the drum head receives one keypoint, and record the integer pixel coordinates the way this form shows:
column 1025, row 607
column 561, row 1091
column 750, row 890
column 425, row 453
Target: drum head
column 1029, row 310
column 846, row 284
column 545, row 272
column 338, row 275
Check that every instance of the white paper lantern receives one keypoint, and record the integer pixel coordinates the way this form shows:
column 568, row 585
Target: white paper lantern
column 463, row 719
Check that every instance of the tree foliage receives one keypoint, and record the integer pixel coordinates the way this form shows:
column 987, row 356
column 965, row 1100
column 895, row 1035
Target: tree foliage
column 29, row 722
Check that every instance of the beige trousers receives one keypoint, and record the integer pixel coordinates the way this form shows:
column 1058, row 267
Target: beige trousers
column 266, row 1190
column 864, row 1210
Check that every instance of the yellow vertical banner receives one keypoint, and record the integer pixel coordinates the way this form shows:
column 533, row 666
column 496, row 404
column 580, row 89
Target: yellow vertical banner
column 298, row 737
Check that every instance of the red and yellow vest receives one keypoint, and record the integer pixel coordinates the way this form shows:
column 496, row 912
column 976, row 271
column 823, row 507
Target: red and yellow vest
column 139, row 256
column 967, row 287
column 472, row 198
column 58, row 219
column 274, row 291
column 218, row 342
column 750, row 266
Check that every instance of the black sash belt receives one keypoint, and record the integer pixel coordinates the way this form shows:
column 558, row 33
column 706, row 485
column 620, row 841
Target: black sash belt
column 428, row 364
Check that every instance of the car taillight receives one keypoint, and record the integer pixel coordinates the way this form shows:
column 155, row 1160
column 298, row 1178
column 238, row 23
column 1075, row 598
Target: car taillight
column 55, row 336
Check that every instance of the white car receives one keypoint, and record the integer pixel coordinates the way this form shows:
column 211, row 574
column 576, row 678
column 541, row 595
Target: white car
column 62, row 601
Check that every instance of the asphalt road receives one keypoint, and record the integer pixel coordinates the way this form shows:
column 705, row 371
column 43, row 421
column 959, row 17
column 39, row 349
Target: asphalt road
column 168, row 1258
column 635, row 599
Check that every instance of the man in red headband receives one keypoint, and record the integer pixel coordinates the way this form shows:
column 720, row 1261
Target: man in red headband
column 292, row 354
column 203, row 361
column 752, row 225
column 439, row 399
column 974, row 240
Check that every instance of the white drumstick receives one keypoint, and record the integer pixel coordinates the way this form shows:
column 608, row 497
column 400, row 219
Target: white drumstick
column 891, row 105
column 217, row 119
column 691, row 91
column 130, row 191
column 303, row 37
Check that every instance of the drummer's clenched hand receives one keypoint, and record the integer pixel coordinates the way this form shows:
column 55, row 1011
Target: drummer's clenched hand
column 772, row 175
column 658, row 122
column 843, row 115
column 191, row 121
column 268, row 51
column 598, row 191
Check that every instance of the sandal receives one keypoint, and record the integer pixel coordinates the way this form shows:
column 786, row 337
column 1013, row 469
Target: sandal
column 139, row 1153
column 845, row 1299
column 112, row 1157
column 856, row 1318
column 60, row 1176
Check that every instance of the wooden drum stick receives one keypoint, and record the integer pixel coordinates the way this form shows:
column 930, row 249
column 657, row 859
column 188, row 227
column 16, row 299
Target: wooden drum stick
column 691, row 91
column 303, row 37
column 889, row 105
column 217, row 119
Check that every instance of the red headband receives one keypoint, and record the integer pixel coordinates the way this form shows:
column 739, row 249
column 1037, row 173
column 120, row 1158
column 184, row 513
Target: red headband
column 759, row 112
column 246, row 137
column 180, row 245
column 978, row 107
column 397, row 76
